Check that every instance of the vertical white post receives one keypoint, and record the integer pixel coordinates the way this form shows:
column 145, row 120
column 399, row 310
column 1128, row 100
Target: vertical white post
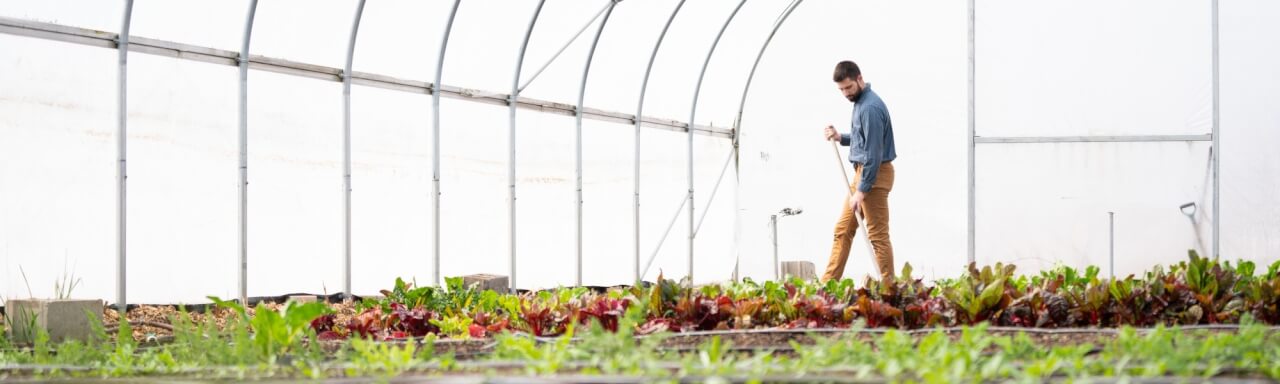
column 511, row 145
column 644, row 85
column 1111, row 219
column 693, row 110
column 243, row 184
column 582, row 94
column 1217, row 144
column 122, row 125
column 435, row 150
column 346, row 153
column 737, row 136
column 972, row 132
column 773, row 226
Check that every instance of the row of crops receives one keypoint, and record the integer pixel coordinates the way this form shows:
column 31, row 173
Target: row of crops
column 1200, row 318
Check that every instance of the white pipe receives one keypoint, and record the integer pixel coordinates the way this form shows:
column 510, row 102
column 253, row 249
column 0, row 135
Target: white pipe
column 693, row 109
column 511, row 146
column 644, row 85
column 346, row 153
column 973, row 199
column 243, row 185
column 582, row 93
column 435, row 150
column 122, row 125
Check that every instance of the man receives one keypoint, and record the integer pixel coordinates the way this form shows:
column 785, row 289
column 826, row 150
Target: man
column 871, row 151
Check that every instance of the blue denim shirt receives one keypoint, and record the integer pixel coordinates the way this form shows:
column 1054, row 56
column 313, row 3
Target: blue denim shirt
column 870, row 141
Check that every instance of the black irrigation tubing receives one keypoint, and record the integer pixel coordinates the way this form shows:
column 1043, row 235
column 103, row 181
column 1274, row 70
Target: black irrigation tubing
column 253, row 301
column 110, row 328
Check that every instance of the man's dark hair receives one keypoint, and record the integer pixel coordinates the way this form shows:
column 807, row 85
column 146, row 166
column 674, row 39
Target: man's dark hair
column 846, row 70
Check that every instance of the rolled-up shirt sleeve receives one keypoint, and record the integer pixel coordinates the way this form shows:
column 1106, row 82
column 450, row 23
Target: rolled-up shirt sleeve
column 844, row 139
column 874, row 124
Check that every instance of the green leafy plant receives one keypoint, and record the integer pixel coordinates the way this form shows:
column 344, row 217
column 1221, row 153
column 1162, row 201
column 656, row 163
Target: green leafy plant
column 405, row 294
column 454, row 326
column 275, row 333
column 1263, row 296
column 64, row 286
column 981, row 294
column 383, row 360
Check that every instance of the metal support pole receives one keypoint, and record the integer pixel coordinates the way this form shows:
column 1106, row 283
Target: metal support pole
column 1111, row 219
column 346, row 153
column 1217, row 144
column 435, row 147
column 122, row 130
column 973, row 199
column 737, row 135
column 640, row 116
column 243, row 184
column 773, row 226
column 565, row 46
column 511, row 144
column 693, row 109
column 582, row 93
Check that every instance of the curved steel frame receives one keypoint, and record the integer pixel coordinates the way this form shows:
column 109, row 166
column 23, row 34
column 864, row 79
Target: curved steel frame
column 435, row 146
column 737, row 128
column 693, row 109
column 243, row 184
column 346, row 152
column 644, row 85
column 511, row 142
column 582, row 93
column 122, row 129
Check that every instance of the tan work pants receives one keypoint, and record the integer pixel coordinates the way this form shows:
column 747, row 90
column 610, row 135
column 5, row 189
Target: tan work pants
column 875, row 210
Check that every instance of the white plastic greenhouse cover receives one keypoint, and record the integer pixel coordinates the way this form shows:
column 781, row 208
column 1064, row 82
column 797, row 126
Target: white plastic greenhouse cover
column 1119, row 94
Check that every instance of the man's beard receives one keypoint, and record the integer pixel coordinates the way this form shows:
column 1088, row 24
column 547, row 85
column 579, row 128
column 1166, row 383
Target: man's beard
column 854, row 97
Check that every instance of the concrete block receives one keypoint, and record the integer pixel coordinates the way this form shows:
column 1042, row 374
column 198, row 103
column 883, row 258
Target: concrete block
column 62, row 319
column 486, row 282
column 801, row 269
